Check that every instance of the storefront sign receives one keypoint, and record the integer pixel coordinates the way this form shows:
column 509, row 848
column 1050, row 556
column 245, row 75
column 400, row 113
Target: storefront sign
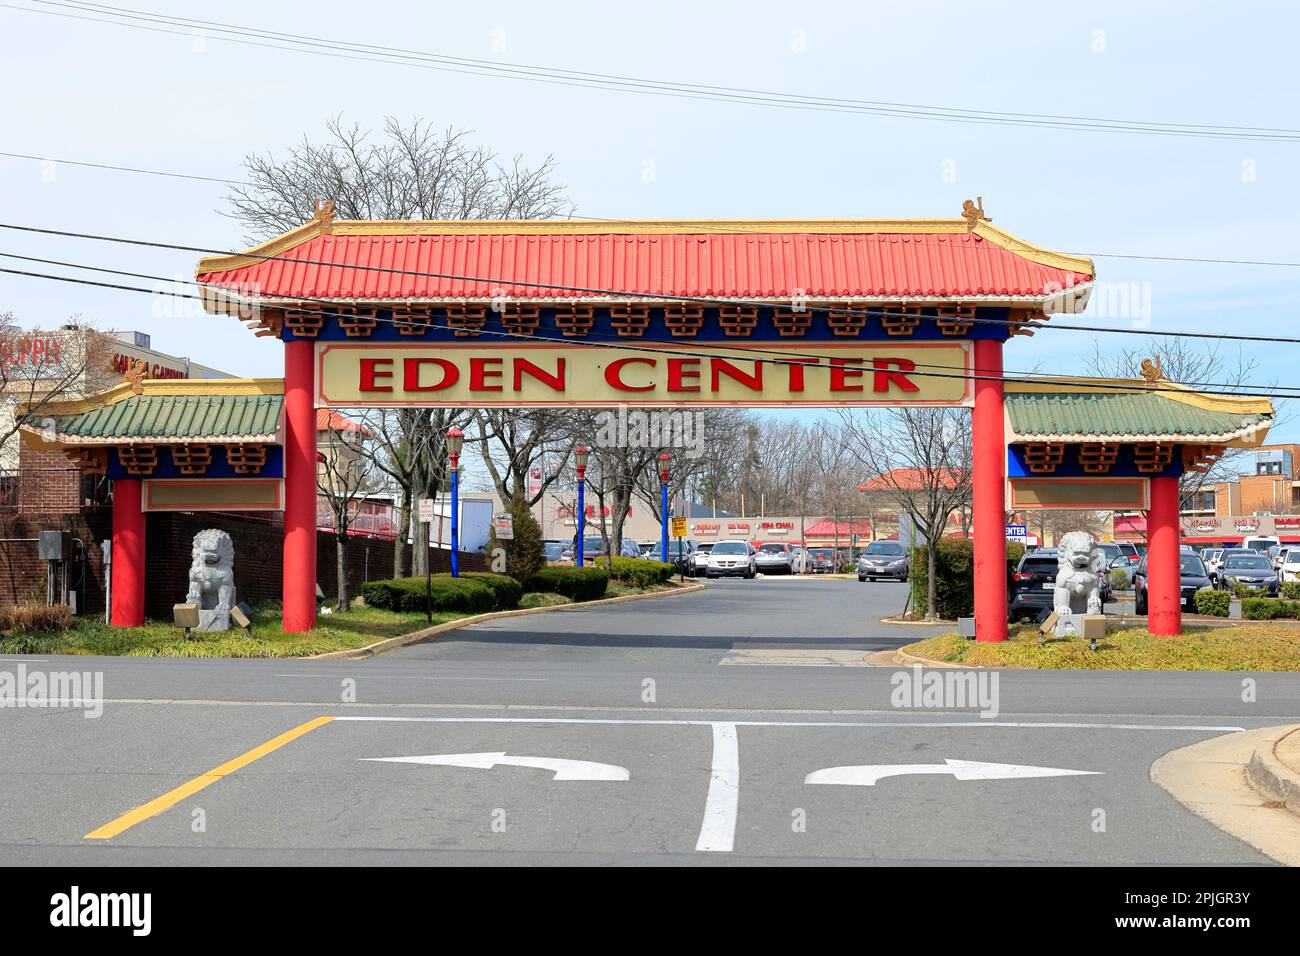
column 757, row 374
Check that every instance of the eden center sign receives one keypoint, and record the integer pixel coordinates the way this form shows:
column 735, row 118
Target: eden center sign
column 756, row 374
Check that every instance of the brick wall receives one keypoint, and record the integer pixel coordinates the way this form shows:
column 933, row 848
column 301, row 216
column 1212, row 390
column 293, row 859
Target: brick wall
column 48, row 483
column 168, row 538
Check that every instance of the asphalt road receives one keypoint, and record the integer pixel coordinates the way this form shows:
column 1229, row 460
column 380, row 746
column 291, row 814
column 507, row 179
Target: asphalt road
column 701, row 716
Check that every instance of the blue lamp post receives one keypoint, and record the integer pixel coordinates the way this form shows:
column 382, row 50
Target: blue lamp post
column 455, row 441
column 663, row 503
column 580, row 457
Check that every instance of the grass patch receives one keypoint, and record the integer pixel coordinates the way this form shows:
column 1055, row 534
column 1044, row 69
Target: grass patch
column 543, row 599
column 333, row 632
column 1250, row 647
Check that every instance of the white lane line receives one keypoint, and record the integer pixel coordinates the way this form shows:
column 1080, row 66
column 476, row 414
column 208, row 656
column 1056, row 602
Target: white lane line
column 718, row 831
column 540, row 680
column 791, row 723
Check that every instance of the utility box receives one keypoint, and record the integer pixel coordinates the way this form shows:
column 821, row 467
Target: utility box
column 54, row 545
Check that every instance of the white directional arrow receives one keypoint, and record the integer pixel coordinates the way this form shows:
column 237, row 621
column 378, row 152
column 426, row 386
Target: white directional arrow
column 563, row 769
column 867, row 776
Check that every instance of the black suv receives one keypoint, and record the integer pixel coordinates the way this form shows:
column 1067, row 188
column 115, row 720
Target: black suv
column 1193, row 575
column 1031, row 588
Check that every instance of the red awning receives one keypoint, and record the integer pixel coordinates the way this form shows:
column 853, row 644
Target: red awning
column 827, row 528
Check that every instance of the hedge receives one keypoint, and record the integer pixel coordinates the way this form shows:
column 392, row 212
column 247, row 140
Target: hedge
column 581, row 584
column 465, row 594
column 1212, row 602
column 1291, row 590
column 1266, row 609
column 954, row 565
column 638, row 572
column 508, row 591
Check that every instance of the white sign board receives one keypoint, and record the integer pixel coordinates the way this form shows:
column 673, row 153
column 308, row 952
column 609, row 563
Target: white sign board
column 426, row 510
column 503, row 526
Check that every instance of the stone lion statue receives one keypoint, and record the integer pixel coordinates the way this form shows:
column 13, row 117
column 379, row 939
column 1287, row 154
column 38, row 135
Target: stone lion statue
column 1078, row 582
column 212, row 572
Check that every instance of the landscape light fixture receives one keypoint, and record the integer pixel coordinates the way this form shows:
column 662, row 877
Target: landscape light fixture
column 185, row 616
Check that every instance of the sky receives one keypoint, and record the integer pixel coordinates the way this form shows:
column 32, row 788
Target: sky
column 195, row 104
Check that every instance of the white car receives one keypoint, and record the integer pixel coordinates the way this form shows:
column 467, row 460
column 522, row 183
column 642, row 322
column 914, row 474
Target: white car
column 1291, row 566
column 732, row 558
column 700, row 560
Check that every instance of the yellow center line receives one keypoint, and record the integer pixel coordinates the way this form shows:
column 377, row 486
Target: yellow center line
column 173, row 797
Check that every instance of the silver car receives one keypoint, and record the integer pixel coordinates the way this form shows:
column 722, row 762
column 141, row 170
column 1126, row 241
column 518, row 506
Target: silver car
column 883, row 559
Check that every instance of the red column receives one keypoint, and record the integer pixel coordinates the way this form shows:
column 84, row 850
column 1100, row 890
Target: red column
column 299, row 587
column 1164, row 573
column 128, row 554
column 989, row 520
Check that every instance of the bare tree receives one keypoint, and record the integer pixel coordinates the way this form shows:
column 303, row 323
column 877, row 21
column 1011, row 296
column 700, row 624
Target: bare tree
column 513, row 441
column 416, row 172
column 920, row 458
column 343, row 477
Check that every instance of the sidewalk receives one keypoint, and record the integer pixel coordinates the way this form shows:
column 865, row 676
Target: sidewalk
column 1247, row 784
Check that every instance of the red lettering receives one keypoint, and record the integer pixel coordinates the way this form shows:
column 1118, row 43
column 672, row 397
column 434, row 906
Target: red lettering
column 840, row 375
column 479, row 373
column 555, row 381
column 614, row 373
column 796, row 372
column 411, row 374
column 884, row 376
column 678, row 372
column 722, row 367
column 371, row 372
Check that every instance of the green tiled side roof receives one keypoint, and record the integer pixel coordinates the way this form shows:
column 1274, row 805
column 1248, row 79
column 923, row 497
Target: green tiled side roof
column 1122, row 415
column 177, row 417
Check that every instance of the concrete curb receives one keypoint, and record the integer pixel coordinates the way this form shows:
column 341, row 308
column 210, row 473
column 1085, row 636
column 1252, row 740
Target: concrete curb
column 910, row 660
column 415, row 637
column 1211, row 779
column 903, row 622
column 1269, row 775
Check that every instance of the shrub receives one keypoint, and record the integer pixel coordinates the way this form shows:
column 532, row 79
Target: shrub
column 580, row 584
column 541, row 599
column 526, row 551
column 954, row 566
column 1291, row 590
column 506, row 589
column 1119, row 581
column 465, row 594
column 640, row 573
column 1267, row 609
column 1212, row 602
column 33, row 617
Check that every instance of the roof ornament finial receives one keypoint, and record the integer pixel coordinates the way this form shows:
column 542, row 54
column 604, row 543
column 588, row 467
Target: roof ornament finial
column 973, row 212
column 1151, row 370
column 324, row 211
column 134, row 374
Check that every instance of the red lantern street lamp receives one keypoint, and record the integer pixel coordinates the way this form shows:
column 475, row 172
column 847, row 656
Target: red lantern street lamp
column 664, row 459
column 455, row 442
column 581, row 455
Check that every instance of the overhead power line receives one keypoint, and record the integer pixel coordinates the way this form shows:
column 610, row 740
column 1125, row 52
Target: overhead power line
column 649, row 296
column 349, row 49
column 703, row 227
column 751, row 353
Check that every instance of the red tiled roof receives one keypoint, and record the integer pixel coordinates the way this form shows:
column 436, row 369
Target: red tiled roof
column 574, row 260
column 906, row 479
column 329, row 420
